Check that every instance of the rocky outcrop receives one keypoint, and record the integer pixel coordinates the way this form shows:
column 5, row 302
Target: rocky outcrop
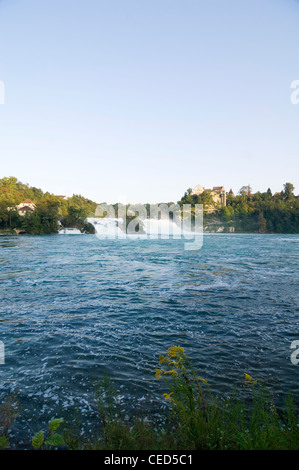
column 217, row 226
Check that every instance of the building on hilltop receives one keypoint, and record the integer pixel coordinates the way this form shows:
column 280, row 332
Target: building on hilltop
column 26, row 206
column 220, row 190
column 198, row 190
column 218, row 194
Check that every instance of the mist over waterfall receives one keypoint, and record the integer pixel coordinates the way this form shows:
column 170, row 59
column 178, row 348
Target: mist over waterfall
column 107, row 227
column 162, row 227
column 113, row 227
column 69, row 231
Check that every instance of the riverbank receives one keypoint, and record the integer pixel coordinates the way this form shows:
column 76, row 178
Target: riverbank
column 215, row 228
column 195, row 418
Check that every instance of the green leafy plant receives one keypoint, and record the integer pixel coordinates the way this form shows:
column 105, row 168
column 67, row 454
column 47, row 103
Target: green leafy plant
column 9, row 411
column 52, row 439
column 4, row 443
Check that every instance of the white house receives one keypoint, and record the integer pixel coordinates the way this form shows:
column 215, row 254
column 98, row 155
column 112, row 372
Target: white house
column 26, row 206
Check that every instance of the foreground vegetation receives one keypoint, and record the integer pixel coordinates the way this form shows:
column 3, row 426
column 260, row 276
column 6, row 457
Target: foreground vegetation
column 195, row 418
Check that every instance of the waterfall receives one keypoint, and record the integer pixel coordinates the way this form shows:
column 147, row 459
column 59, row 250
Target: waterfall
column 108, row 228
column 69, row 231
column 163, row 227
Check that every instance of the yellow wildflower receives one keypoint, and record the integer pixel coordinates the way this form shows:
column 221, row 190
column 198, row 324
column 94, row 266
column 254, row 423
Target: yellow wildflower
column 175, row 351
column 177, row 364
column 162, row 359
column 167, row 396
column 249, row 379
column 203, row 381
column 171, row 372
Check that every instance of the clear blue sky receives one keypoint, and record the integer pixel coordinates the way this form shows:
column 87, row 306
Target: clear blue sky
column 137, row 100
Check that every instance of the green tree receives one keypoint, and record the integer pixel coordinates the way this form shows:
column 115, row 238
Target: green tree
column 245, row 191
column 288, row 190
column 262, row 224
column 228, row 213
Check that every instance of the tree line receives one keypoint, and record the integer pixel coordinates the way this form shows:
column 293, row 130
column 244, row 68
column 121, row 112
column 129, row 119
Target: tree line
column 262, row 212
column 51, row 213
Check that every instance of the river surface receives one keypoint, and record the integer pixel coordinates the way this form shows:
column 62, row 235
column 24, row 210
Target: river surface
column 75, row 307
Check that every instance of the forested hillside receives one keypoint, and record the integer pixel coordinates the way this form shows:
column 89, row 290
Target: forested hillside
column 49, row 209
column 247, row 212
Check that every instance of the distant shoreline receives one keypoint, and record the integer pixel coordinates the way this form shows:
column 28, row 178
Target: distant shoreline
column 138, row 235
